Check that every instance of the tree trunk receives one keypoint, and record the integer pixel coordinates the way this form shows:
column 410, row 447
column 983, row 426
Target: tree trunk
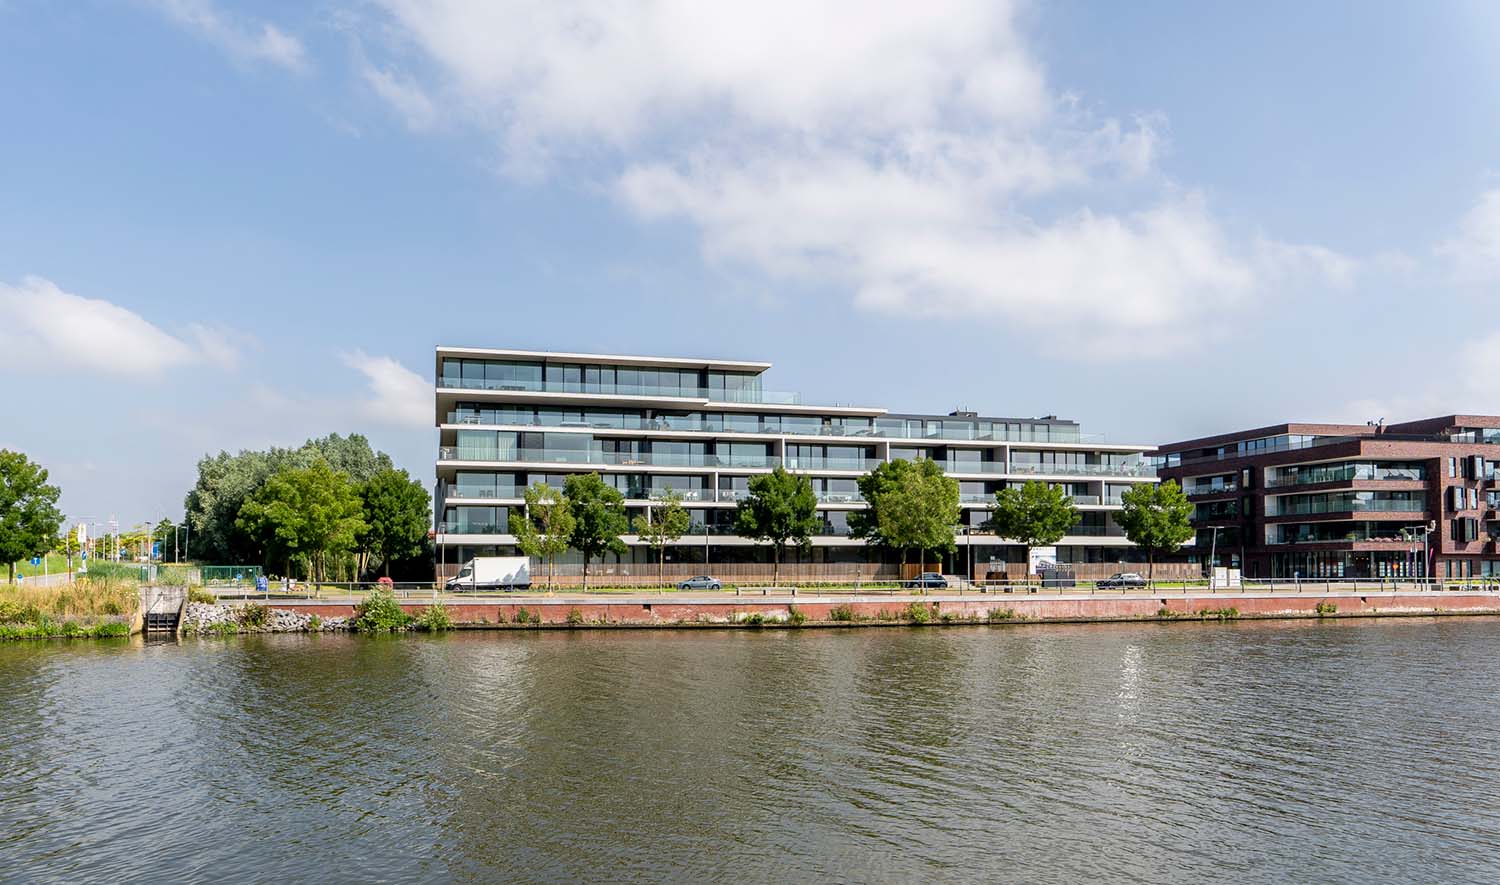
column 1026, row 567
column 12, row 567
column 776, row 566
column 386, row 561
column 662, row 566
column 551, row 565
column 1151, row 568
column 585, row 573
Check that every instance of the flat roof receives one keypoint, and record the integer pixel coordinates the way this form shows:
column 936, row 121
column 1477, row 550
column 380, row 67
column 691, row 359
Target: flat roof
column 664, row 362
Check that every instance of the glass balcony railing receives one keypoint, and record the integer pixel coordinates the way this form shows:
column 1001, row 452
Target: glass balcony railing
column 470, row 491
column 472, row 528
column 748, row 395
column 1134, row 469
column 1343, row 474
column 973, row 466
column 1205, row 490
column 863, row 465
column 788, row 425
column 1379, row 505
column 592, row 456
column 1086, row 499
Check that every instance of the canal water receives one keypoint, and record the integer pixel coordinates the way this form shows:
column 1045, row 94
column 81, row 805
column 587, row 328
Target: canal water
column 1336, row 751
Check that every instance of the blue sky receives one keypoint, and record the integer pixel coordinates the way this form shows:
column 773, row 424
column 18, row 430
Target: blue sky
column 232, row 225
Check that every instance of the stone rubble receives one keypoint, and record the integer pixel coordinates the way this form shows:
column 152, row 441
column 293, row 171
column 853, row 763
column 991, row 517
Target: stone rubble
column 201, row 618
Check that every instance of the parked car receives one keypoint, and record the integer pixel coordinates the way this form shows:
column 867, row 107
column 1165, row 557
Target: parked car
column 701, row 582
column 927, row 580
column 1122, row 580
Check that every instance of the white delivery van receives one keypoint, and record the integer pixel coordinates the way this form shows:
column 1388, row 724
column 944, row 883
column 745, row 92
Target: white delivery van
column 493, row 573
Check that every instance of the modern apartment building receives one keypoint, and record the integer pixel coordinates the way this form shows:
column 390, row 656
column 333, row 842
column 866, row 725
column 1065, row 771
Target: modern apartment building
column 704, row 427
column 1347, row 501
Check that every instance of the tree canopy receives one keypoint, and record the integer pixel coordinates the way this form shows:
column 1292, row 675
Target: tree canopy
column 312, row 512
column 397, row 514
column 29, row 518
column 598, row 518
column 781, row 509
column 1034, row 514
column 911, row 505
column 545, row 528
column 1156, row 518
column 663, row 524
column 226, row 482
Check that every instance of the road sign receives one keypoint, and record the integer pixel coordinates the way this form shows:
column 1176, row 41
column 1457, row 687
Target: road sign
column 85, row 556
column 156, row 550
column 36, row 560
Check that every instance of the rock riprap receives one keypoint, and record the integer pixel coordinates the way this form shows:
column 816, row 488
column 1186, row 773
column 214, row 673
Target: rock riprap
column 203, row 618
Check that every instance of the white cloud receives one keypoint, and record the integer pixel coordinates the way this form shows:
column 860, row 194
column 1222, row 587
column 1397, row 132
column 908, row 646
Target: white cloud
column 913, row 158
column 404, row 95
column 1475, row 250
column 49, row 330
column 398, row 396
column 244, row 41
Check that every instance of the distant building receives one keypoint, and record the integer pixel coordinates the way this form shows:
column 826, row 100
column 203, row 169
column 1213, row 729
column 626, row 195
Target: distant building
column 510, row 418
column 1346, row 500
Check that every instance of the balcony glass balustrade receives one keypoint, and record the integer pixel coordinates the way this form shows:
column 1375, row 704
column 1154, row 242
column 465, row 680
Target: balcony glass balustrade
column 1133, row 469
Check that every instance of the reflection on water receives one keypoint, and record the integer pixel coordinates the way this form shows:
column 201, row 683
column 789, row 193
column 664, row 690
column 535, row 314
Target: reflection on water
column 1339, row 751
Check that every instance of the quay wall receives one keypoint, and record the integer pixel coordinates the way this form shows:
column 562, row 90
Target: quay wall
column 677, row 610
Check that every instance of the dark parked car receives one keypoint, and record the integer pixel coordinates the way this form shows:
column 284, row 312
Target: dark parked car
column 928, row 580
column 1122, row 580
column 701, row 582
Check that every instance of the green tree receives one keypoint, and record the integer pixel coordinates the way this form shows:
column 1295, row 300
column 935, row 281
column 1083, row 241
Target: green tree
column 780, row 509
column 312, row 512
column 397, row 514
column 1156, row 519
column 910, row 505
column 661, row 525
column 598, row 518
column 1034, row 514
column 545, row 528
column 225, row 482
column 162, row 535
column 29, row 518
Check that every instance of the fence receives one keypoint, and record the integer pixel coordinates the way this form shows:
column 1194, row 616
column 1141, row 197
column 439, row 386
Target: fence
column 228, row 575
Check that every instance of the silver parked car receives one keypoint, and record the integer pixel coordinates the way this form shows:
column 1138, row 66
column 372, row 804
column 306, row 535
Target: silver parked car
column 701, row 582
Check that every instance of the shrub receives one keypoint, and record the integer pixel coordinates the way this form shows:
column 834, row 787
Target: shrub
column 755, row 619
column 314, row 623
column 1326, row 608
column 198, row 594
column 252, row 615
column 841, row 613
column 222, row 628
column 1001, row 614
column 435, row 618
column 11, row 612
column 1222, row 614
column 795, row 617
column 575, row 618
column 918, row 613
column 523, row 616
column 380, row 613
column 112, row 628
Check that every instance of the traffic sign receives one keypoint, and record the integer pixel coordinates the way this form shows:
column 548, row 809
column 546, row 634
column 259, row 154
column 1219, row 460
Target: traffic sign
column 36, row 560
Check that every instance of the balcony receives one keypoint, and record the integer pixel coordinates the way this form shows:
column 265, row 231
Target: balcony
column 1346, row 506
column 1135, row 469
column 862, row 465
column 973, row 466
column 1205, row 491
column 1348, row 473
column 769, row 397
column 611, row 459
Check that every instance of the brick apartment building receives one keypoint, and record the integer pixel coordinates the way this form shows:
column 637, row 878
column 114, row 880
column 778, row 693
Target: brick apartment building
column 1346, row 501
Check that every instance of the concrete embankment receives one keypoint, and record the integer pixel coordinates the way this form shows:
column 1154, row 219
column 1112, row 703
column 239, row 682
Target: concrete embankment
column 685, row 610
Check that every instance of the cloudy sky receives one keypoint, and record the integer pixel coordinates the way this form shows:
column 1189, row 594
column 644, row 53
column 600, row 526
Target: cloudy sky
column 234, row 225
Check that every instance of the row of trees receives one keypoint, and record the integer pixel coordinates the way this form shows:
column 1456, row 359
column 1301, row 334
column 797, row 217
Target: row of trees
column 332, row 506
column 910, row 506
